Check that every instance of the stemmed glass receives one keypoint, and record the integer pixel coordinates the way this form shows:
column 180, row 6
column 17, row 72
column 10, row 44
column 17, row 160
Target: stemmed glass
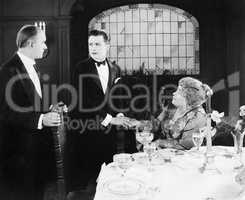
column 144, row 137
column 150, row 149
column 143, row 132
column 197, row 138
column 123, row 161
column 238, row 144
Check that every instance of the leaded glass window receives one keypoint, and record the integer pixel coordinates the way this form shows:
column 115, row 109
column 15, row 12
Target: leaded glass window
column 154, row 38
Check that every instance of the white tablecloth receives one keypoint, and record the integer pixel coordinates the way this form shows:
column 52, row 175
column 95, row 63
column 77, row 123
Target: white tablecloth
column 179, row 179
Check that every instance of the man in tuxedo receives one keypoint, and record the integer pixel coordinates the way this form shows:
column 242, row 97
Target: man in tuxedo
column 26, row 158
column 93, row 143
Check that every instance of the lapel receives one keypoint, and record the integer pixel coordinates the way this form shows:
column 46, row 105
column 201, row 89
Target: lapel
column 114, row 73
column 109, row 84
column 96, row 79
column 26, row 81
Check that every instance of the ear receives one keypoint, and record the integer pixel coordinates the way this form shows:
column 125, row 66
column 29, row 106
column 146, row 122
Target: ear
column 29, row 43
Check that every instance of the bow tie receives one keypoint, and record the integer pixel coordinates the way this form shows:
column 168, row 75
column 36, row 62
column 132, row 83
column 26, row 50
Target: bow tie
column 100, row 63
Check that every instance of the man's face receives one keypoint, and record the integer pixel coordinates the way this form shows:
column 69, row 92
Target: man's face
column 97, row 47
column 39, row 45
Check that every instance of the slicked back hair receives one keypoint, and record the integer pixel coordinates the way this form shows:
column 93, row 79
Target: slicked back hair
column 25, row 33
column 96, row 32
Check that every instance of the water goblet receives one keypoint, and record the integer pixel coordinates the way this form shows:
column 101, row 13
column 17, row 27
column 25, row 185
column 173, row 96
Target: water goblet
column 150, row 149
column 238, row 144
column 197, row 138
column 144, row 137
column 123, row 161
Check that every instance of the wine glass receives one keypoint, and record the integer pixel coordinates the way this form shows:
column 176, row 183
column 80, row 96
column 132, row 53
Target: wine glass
column 238, row 144
column 144, row 137
column 150, row 149
column 123, row 161
column 197, row 139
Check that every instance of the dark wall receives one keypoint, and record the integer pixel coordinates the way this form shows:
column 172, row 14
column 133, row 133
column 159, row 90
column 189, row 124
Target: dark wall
column 235, row 37
column 14, row 14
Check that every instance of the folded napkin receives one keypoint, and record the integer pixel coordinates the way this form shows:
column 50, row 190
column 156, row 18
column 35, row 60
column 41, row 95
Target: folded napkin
column 103, row 166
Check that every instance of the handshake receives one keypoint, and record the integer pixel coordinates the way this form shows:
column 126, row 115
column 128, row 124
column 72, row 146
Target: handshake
column 131, row 123
column 126, row 122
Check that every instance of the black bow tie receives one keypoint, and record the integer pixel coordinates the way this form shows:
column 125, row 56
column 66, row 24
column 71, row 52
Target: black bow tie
column 100, row 63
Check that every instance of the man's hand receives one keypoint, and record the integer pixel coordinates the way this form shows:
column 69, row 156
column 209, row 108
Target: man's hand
column 121, row 121
column 59, row 107
column 51, row 119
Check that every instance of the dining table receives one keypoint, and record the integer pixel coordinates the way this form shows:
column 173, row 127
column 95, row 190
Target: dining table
column 173, row 174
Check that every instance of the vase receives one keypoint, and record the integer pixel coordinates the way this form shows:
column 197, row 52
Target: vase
column 238, row 141
column 208, row 135
column 209, row 161
column 238, row 137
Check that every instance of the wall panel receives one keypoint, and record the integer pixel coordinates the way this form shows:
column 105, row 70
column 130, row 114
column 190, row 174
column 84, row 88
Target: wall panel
column 29, row 7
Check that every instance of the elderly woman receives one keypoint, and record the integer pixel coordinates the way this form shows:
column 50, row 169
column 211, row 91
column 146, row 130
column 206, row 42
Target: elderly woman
column 179, row 123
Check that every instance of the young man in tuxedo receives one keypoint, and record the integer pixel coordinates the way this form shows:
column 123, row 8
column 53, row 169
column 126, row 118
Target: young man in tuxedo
column 26, row 158
column 94, row 143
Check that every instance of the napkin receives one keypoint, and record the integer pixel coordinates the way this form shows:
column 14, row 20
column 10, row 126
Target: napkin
column 103, row 166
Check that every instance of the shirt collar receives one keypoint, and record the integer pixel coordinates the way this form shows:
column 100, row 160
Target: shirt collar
column 26, row 60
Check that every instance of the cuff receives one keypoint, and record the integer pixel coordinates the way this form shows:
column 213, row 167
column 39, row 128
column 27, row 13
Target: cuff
column 107, row 120
column 40, row 122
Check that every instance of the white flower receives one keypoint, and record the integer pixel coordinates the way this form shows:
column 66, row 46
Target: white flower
column 210, row 92
column 216, row 116
column 203, row 131
column 242, row 111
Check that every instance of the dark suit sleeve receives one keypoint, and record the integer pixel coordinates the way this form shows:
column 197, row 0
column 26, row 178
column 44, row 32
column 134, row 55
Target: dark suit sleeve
column 9, row 113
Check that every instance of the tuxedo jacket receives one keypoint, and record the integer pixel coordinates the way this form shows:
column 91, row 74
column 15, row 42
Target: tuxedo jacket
column 22, row 145
column 93, row 103
column 89, row 144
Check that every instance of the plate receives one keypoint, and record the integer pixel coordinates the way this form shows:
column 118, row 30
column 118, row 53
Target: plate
column 123, row 186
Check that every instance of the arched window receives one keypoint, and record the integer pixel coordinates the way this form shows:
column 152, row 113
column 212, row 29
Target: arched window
column 154, row 38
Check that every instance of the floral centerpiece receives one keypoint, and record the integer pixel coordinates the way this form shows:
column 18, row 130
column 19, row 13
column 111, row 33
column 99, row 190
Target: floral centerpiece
column 241, row 122
column 234, row 126
column 217, row 123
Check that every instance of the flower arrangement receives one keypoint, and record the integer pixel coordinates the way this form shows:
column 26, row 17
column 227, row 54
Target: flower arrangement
column 228, row 125
column 240, row 125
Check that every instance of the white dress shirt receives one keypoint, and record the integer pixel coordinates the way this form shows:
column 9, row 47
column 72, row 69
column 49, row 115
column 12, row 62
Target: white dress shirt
column 28, row 64
column 103, row 72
